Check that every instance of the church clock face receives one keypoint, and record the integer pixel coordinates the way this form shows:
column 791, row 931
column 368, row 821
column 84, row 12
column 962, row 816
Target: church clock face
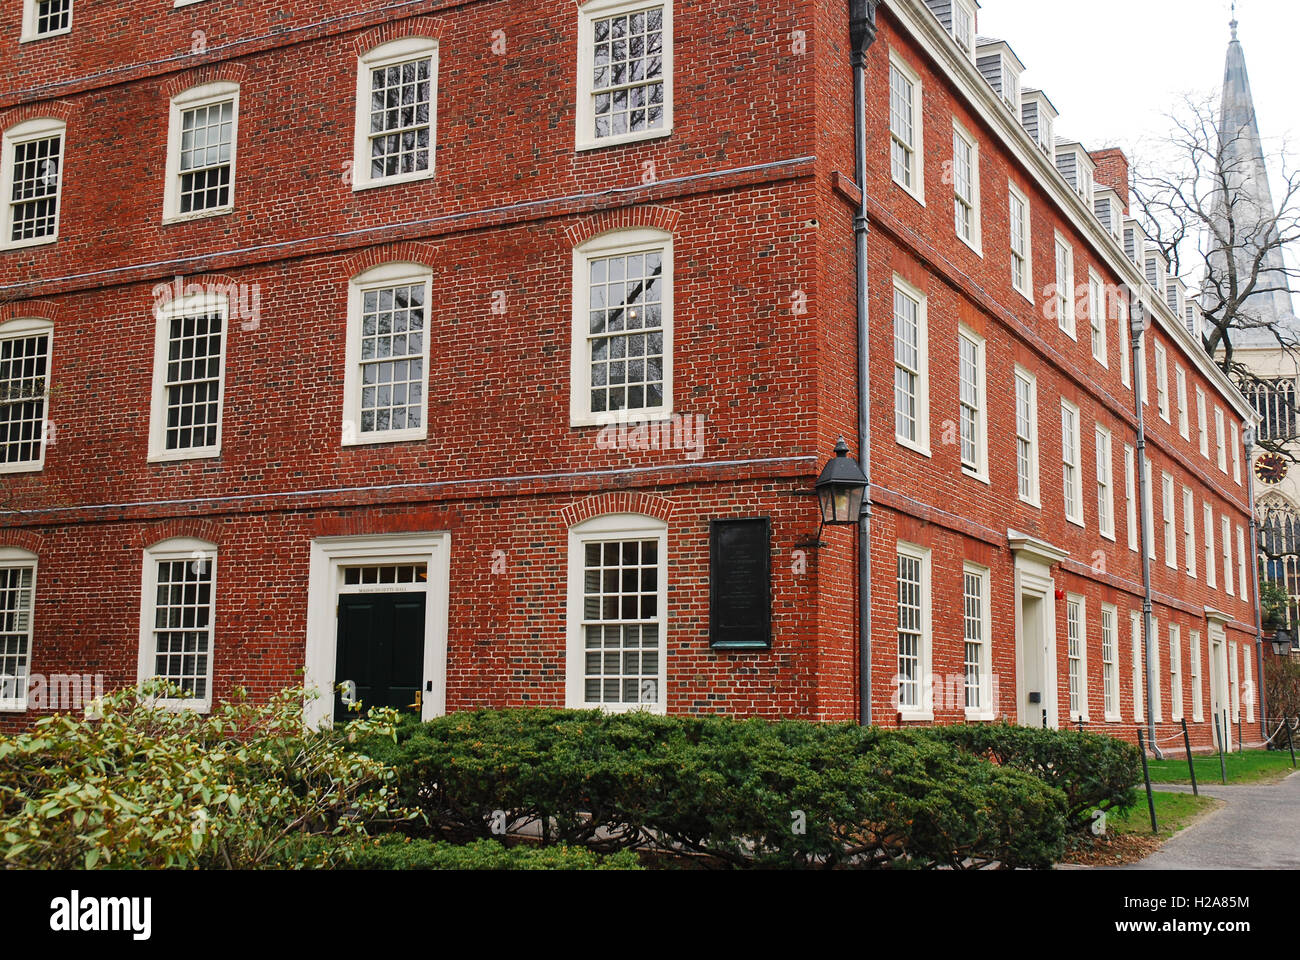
column 1271, row 468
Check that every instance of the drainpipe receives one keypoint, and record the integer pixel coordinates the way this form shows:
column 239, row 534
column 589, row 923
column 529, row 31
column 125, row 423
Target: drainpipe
column 1137, row 325
column 862, row 34
column 1249, row 437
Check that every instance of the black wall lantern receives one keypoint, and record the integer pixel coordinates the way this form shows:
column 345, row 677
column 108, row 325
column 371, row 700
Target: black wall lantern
column 1282, row 643
column 840, row 489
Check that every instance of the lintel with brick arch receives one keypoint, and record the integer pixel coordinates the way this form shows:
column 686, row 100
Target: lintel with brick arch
column 643, row 504
column 628, row 218
column 155, row 533
column 408, row 251
column 429, row 27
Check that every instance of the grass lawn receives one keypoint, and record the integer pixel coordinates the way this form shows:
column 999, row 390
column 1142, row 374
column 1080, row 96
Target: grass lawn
column 1253, row 766
column 1174, row 811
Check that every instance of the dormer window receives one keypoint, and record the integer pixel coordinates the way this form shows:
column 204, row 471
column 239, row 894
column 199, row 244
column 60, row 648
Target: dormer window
column 1077, row 168
column 1175, row 292
column 1038, row 117
column 963, row 26
column 1156, row 268
column 1135, row 242
column 1002, row 69
column 1110, row 212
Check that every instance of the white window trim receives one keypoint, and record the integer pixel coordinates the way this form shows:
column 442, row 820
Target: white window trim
column 1169, row 518
column 1111, row 666
column 1198, row 714
column 1220, row 441
column 925, row 686
column 29, row 23
column 1149, row 518
column 1027, row 289
column 1175, row 672
column 1135, row 654
column 1241, row 562
column 1106, row 520
column 1083, row 714
column 1225, row 531
column 917, row 190
column 1236, row 452
column 1234, row 682
column 1097, row 318
column 1158, row 707
column 1035, row 497
column 42, row 128
column 620, row 526
column 177, row 548
column 1207, row 515
column 1064, row 303
column 922, row 442
column 969, row 8
column 585, row 117
column 1248, row 685
column 202, row 95
column 1202, row 424
column 386, row 55
column 980, row 471
column 1184, row 421
column 987, row 712
column 18, row 329
column 197, row 303
column 976, row 240
column 1075, row 455
column 383, row 275
column 17, row 557
column 1125, row 342
column 1162, row 382
column 1189, row 530
column 1130, row 496
column 611, row 244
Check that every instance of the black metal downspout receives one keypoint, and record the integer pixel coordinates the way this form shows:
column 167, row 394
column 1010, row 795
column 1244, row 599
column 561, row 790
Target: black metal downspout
column 862, row 34
column 1259, row 691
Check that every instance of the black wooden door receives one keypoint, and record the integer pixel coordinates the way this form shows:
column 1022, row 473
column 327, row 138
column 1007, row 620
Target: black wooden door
column 380, row 651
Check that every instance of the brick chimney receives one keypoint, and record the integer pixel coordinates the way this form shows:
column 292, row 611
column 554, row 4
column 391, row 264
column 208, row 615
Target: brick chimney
column 1112, row 171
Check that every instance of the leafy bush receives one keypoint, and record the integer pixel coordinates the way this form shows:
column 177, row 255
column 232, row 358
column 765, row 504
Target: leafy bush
column 742, row 792
column 141, row 785
column 1094, row 771
column 403, row 853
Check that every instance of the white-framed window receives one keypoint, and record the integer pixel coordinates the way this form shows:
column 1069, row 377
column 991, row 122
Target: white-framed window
column 963, row 26
column 1130, row 496
column 1071, row 471
column 973, row 404
column 1097, row 317
column 1076, row 656
column 1135, row 635
column 617, row 614
column 622, row 353
column 976, row 631
column 396, row 126
column 1157, row 708
column 625, row 71
column 1170, row 521
column 1065, row 286
column 1242, row 591
column 966, row 187
column 1109, row 663
column 1180, row 382
column 189, row 379
column 1142, row 369
column 1248, row 685
column 45, row 18
column 1149, row 516
column 1225, row 530
column 1027, row 436
column 1124, row 339
column 1105, row 485
column 1201, row 426
column 1197, row 691
column 31, row 177
column 177, row 618
column 202, row 139
column 911, row 368
column 24, row 393
column 1022, row 270
column 1175, row 672
column 1162, row 382
column 386, row 373
column 1220, row 441
column 1189, row 531
column 906, row 156
column 915, row 701
column 1236, row 452
column 1207, row 513
column 1234, row 684
column 17, row 608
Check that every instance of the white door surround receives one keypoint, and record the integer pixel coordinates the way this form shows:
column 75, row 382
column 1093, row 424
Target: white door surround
column 330, row 556
column 1035, row 629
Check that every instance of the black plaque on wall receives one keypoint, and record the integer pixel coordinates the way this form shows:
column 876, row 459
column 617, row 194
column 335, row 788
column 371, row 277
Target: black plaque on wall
column 740, row 584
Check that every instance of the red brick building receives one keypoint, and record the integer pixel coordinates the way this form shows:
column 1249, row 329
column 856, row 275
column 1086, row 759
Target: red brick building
column 422, row 347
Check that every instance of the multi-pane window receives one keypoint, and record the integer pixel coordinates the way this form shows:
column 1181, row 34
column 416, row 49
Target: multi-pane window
column 1225, row 529
column 1020, row 243
column 1109, row 663
column 1167, row 508
column 965, row 171
column 621, row 622
column 17, row 595
column 397, row 90
column 1105, row 485
column 1027, row 436
column 625, row 71
column 201, row 158
column 1180, row 382
column 1275, row 402
column 975, row 632
column 1124, row 339
column 963, row 27
column 1157, row 704
column 45, row 18
column 1149, row 510
column 910, row 403
column 1197, row 694
column 1162, row 382
column 974, row 456
column 1220, row 441
column 1234, row 688
column 1189, row 531
column 1201, row 427
column 24, row 393
column 904, row 126
column 1130, row 495
column 1236, row 451
column 179, row 610
column 1248, row 686
column 1064, row 286
column 1207, row 513
column 1139, row 693
column 188, row 378
column 1097, row 317
column 387, row 375
column 913, row 618
column 31, row 176
column 1074, row 656
column 1175, row 672
column 1070, row 470
column 1241, row 563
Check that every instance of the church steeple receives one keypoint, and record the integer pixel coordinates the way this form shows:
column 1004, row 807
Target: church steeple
column 1242, row 155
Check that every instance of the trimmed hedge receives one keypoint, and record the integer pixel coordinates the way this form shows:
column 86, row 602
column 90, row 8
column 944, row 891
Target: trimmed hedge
column 403, row 853
column 741, row 792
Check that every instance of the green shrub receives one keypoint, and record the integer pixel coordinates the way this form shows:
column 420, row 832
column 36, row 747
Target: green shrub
column 141, row 785
column 1094, row 771
column 403, row 853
